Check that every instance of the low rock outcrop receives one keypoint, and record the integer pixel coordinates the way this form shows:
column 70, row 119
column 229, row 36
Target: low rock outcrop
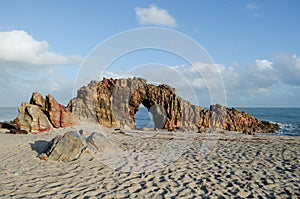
column 65, row 148
column 72, row 144
column 97, row 142
column 40, row 115
column 232, row 119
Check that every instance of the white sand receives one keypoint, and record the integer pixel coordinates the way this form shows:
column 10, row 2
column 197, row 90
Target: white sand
column 237, row 166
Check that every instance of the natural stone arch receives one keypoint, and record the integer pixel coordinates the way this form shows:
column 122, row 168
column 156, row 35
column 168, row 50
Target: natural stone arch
column 161, row 101
column 114, row 102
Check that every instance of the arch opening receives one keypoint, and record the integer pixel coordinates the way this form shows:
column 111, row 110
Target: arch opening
column 143, row 118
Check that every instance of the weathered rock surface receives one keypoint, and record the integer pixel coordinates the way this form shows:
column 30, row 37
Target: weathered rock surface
column 65, row 148
column 114, row 102
column 32, row 119
column 99, row 143
column 59, row 116
column 37, row 99
column 40, row 115
column 236, row 120
column 72, row 144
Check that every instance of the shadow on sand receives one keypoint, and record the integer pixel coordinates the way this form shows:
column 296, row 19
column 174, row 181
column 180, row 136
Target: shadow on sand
column 39, row 146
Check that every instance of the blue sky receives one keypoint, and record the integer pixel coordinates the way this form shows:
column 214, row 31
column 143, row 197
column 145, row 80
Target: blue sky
column 255, row 45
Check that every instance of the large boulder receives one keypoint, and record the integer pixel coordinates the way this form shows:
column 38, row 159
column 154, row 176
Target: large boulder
column 32, row 119
column 65, row 148
column 72, row 144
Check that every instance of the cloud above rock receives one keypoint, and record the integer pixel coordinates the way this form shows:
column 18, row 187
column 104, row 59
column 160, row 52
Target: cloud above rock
column 155, row 16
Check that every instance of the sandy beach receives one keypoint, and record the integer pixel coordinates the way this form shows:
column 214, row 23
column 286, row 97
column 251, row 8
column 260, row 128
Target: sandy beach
column 237, row 166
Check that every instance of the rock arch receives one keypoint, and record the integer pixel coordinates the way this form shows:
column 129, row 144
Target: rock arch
column 114, row 102
column 161, row 101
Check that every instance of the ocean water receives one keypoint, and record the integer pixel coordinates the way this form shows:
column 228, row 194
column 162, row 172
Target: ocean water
column 287, row 118
column 143, row 119
column 8, row 114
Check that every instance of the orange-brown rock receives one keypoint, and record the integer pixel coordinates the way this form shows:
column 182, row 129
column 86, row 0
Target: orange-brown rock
column 37, row 99
column 41, row 115
column 114, row 102
column 32, row 119
column 58, row 115
column 237, row 120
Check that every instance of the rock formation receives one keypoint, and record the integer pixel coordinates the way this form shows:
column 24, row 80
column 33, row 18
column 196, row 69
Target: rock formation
column 72, row 144
column 236, row 120
column 114, row 102
column 65, row 148
column 97, row 142
column 40, row 115
column 58, row 115
column 31, row 118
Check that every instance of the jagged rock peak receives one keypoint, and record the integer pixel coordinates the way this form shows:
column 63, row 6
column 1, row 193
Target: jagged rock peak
column 41, row 115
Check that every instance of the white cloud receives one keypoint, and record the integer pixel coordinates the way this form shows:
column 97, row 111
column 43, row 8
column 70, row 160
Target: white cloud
column 27, row 65
column 259, row 83
column 18, row 46
column 263, row 64
column 155, row 16
column 252, row 77
column 288, row 68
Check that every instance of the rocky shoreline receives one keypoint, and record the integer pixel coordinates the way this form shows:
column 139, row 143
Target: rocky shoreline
column 114, row 102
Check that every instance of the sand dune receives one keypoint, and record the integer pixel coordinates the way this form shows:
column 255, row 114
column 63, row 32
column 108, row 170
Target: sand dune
column 237, row 165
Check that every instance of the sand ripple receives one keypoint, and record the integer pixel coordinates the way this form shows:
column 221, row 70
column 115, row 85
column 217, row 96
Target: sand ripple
column 237, row 167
